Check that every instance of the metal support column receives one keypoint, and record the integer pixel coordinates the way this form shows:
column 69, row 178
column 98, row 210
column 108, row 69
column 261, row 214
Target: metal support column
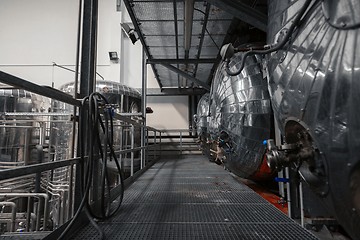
column 88, row 68
column 143, row 108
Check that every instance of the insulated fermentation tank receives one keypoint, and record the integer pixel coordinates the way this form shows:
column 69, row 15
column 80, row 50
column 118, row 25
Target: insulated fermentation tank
column 241, row 117
column 22, row 127
column 315, row 91
column 202, row 123
column 202, row 114
column 125, row 100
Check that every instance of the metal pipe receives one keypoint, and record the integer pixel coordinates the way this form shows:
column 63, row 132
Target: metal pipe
column 28, row 213
column 40, row 159
column 29, row 195
column 182, row 61
column 41, row 90
column 280, row 173
column 60, row 195
column 188, row 21
column 301, row 196
column 288, row 198
column 13, row 214
column 26, row 154
column 187, row 76
column 72, row 147
column 34, row 168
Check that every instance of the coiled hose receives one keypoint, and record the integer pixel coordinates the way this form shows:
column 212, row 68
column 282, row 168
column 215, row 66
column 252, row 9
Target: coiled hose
column 96, row 139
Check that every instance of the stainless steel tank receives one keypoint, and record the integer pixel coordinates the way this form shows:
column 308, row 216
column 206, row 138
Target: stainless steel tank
column 315, row 88
column 21, row 113
column 202, row 123
column 129, row 101
column 202, row 114
column 24, row 125
column 240, row 108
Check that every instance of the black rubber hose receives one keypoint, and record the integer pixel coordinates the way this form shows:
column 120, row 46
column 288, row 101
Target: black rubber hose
column 276, row 47
column 100, row 124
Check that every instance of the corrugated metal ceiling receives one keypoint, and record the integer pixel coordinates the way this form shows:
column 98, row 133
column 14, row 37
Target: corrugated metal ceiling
column 160, row 26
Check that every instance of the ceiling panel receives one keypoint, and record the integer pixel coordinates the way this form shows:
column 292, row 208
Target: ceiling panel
column 160, row 26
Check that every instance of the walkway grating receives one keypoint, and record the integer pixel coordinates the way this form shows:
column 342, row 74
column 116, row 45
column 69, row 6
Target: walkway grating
column 190, row 198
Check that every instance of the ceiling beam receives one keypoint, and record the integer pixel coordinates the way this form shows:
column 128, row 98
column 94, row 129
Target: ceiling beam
column 174, row 91
column 187, row 76
column 243, row 12
column 181, row 61
column 129, row 8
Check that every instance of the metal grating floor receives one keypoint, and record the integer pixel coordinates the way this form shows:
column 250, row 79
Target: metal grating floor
column 191, row 198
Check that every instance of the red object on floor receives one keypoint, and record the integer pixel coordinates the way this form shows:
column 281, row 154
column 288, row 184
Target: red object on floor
column 268, row 196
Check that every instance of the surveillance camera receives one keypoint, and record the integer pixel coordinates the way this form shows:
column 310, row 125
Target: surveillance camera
column 130, row 32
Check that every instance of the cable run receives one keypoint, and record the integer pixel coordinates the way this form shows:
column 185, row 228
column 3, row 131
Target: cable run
column 96, row 148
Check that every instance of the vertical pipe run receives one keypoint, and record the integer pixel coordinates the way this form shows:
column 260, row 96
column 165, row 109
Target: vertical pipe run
column 301, row 204
column 72, row 147
column 40, row 159
column 288, row 198
column 281, row 173
column 28, row 213
column 188, row 21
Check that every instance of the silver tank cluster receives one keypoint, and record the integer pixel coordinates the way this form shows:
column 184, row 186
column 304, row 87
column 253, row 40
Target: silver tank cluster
column 202, row 113
column 22, row 126
column 201, row 119
column 125, row 100
column 315, row 88
column 25, row 120
column 240, row 116
column 30, row 123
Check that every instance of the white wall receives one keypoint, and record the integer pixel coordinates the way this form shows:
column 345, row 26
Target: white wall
column 36, row 33
column 170, row 112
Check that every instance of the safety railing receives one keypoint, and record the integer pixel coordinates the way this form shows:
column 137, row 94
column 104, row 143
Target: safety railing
column 175, row 141
column 53, row 174
column 38, row 174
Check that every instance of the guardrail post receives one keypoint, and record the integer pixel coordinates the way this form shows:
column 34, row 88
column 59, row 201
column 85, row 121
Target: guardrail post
column 180, row 143
column 132, row 152
column 154, row 144
column 121, row 144
column 160, row 143
column 142, row 151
